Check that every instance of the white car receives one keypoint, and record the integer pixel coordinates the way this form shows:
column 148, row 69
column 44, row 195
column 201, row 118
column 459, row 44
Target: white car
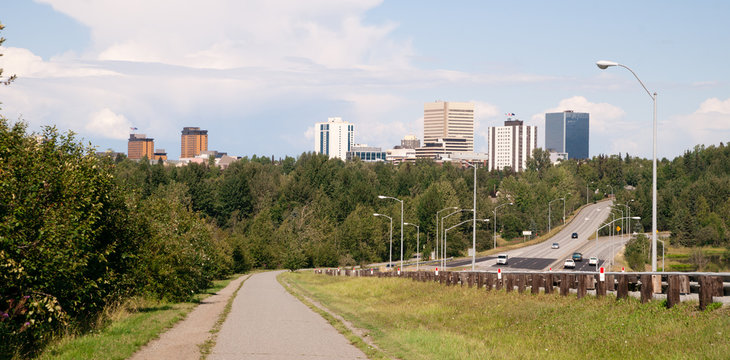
column 569, row 264
column 555, row 246
column 502, row 259
column 593, row 261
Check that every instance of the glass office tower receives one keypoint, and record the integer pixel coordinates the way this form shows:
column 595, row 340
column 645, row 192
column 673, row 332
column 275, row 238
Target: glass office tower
column 567, row 132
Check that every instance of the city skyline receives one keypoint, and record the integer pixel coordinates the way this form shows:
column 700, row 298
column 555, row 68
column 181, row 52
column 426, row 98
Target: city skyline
column 273, row 68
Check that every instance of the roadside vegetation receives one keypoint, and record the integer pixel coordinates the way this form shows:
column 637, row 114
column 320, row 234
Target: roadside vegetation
column 81, row 232
column 413, row 320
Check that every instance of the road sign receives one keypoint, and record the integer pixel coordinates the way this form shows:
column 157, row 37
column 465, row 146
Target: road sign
column 471, row 252
column 618, row 228
column 527, row 233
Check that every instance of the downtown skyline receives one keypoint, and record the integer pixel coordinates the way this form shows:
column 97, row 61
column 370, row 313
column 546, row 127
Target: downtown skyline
column 257, row 75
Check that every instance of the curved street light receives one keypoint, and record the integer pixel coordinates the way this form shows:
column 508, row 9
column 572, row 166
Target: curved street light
column 474, row 229
column 603, row 64
column 549, row 214
column 461, row 223
column 401, row 225
column 390, row 259
column 595, row 246
column 438, row 233
column 443, row 243
column 495, row 222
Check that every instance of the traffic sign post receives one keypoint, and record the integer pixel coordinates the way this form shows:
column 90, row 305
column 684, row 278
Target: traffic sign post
column 602, row 276
column 499, row 274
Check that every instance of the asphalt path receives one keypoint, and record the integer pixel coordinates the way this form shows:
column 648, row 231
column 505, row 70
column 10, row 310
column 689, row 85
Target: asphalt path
column 266, row 322
column 542, row 257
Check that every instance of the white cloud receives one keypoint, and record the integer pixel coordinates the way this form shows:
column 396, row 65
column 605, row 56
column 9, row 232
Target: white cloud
column 707, row 125
column 25, row 64
column 108, row 124
column 602, row 115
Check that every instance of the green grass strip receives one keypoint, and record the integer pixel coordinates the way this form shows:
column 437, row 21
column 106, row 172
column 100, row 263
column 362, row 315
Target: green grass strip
column 426, row 320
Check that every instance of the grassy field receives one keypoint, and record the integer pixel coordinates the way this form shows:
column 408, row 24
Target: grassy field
column 412, row 320
column 127, row 328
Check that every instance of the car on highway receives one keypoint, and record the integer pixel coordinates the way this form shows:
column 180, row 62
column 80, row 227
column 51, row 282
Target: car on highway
column 555, row 246
column 593, row 261
column 577, row 256
column 569, row 264
column 502, row 259
column 574, row 236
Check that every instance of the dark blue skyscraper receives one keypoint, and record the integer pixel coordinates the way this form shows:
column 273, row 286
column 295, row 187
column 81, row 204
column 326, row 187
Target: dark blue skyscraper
column 567, row 132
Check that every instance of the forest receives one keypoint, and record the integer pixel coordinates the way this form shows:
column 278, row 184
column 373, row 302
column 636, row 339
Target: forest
column 80, row 231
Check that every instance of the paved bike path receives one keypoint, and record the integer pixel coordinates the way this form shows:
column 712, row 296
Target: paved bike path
column 266, row 322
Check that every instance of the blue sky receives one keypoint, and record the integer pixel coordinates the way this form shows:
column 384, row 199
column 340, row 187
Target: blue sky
column 259, row 74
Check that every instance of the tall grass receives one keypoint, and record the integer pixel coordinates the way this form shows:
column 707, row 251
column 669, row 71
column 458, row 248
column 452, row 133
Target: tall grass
column 413, row 320
column 127, row 328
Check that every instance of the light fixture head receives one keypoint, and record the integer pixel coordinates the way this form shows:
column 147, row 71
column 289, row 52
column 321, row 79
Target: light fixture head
column 603, row 64
column 636, row 217
column 376, row 214
column 381, row 197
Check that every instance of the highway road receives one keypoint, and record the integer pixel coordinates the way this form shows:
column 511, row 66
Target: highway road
column 542, row 256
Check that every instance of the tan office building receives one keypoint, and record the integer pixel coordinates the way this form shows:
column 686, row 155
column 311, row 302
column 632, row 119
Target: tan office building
column 139, row 145
column 193, row 141
column 449, row 120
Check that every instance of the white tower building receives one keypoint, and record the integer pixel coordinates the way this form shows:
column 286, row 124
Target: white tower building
column 511, row 145
column 334, row 137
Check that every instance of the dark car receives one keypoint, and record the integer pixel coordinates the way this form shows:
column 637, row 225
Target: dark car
column 574, row 236
column 577, row 256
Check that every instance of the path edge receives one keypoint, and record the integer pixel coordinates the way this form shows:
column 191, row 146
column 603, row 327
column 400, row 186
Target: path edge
column 344, row 327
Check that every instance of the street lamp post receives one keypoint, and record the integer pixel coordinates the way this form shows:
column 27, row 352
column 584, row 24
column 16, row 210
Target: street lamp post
column 390, row 259
column 495, row 222
column 401, row 225
column 663, row 266
column 443, row 242
column 461, row 223
column 603, row 64
column 587, row 191
column 418, row 240
column 438, row 233
column 550, row 215
column 595, row 247
column 474, row 230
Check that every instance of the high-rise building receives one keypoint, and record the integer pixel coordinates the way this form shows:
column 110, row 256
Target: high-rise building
column 451, row 122
column 193, row 141
column 511, row 145
column 160, row 154
column 334, row 137
column 567, row 132
column 410, row 142
column 366, row 153
column 140, row 145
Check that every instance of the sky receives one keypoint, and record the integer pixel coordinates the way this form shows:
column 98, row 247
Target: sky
column 258, row 74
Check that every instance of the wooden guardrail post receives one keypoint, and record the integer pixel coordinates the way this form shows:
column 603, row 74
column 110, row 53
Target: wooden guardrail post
column 623, row 287
column 610, row 283
column 499, row 282
column 709, row 286
column 510, row 282
column 600, row 285
column 549, row 282
column 490, row 281
column 480, row 280
column 647, row 285
column 564, row 285
column 521, row 283
column 673, row 282
column 536, row 283
column 581, row 286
